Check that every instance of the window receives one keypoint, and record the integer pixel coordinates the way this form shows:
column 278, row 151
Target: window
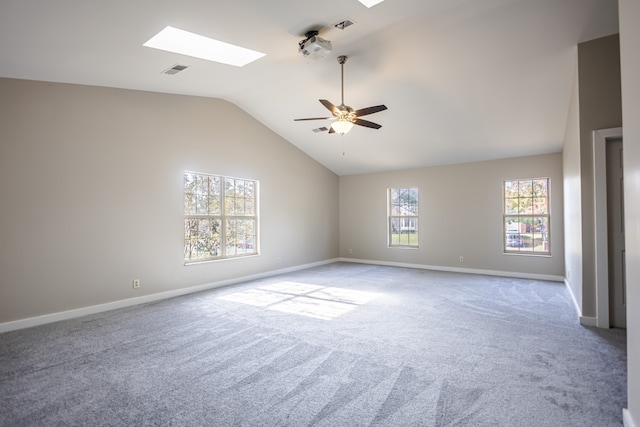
column 403, row 217
column 220, row 217
column 526, row 216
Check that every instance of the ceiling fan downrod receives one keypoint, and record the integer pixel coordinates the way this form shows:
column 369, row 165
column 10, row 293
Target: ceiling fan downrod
column 341, row 60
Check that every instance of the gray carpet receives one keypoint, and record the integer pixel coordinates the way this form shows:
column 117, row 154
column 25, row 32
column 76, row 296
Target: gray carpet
column 337, row 345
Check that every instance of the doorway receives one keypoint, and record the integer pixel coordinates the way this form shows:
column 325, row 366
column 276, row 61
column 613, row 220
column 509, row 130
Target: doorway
column 609, row 228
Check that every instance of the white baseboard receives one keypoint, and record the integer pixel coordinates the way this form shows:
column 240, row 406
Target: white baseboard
column 584, row 320
column 513, row 274
column 588, row 321
column 626, row 418
column 84, row 311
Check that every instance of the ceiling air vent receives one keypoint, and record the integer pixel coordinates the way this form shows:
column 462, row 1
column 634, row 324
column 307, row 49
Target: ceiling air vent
column 344, row 24
column 322, row 129
column 175, row 69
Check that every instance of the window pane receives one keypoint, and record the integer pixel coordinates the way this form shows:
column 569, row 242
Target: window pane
column 511, row 206
column 413, row 201
column 514, row 241
column 231, row 237
column 214, row 195
column 511, row 189
column 525, row 206
column 241, row 236
column 229, row 186
column 190, row 204
column 249, row 189
column 229, row 205
column 202, row 184
column 525, row 188
column 189, row 183
column 240, row 184
column 190, row 237
column 190, row 228
column 202, row 238
column 394, row 228
column 202, row 204
column 512, row 224
column 239, row 208
column 543, row 228
column 539, row 206
column 214, row 205
column 229, row 197
column 540, row 188
column 249, row 208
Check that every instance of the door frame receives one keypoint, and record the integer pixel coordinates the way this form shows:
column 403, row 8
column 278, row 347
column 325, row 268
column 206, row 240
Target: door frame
column 600, row 138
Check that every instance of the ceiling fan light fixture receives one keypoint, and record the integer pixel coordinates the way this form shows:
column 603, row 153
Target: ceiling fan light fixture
column 342, row 126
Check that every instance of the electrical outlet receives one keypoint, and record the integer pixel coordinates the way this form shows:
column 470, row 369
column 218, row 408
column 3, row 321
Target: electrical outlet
column 136, row 283
column 461, row 259
column 350, row 251
column 278, row 260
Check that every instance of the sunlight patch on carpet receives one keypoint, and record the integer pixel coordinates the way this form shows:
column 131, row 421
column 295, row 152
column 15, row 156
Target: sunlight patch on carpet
column 320, row 302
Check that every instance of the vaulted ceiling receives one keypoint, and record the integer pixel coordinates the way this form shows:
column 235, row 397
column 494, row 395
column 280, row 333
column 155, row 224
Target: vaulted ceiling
column 464, row 80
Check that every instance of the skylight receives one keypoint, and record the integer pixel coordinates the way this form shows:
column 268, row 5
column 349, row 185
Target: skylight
column 185, row 43
column 370, row 3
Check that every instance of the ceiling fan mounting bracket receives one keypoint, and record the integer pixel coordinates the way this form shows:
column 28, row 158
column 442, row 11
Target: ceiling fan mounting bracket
column 311, row 33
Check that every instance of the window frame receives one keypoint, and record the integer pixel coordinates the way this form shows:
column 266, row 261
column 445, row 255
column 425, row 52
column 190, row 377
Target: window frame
column 223, row 209
column 414, row 217
column 543, row 220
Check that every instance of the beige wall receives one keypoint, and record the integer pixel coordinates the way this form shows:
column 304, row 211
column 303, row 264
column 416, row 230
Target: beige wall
column 91, row 190
column 572, row 198
column 460, row 215
column 600, row 108
column 630, row 66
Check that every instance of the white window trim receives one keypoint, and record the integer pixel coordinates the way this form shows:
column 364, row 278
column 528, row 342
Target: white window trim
column 223, row 220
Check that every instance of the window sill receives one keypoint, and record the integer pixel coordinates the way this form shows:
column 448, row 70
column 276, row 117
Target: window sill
column 543, row 255
column 207, row 261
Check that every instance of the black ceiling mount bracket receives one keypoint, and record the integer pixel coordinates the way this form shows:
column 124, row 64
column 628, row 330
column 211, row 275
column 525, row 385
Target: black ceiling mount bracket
column 311, row 33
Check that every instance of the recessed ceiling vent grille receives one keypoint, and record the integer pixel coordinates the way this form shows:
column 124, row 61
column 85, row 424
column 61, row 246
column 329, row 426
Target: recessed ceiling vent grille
column 344, row 24
column 322, row 129
column 175, row 69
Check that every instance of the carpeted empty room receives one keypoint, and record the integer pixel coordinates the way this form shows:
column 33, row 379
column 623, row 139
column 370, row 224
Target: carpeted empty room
column 341, row 344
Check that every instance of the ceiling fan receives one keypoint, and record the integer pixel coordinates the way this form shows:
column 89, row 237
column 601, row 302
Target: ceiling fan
column 345, row 117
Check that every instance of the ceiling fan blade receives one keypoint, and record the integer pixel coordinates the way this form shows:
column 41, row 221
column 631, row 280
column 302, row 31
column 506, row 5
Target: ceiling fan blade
column 369, row 110
column 334, row 110
column 366, row 123
column 331, row 130
column 313, row 118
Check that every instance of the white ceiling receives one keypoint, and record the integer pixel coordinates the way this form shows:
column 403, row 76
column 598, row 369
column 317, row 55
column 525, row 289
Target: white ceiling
column 464, row 80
